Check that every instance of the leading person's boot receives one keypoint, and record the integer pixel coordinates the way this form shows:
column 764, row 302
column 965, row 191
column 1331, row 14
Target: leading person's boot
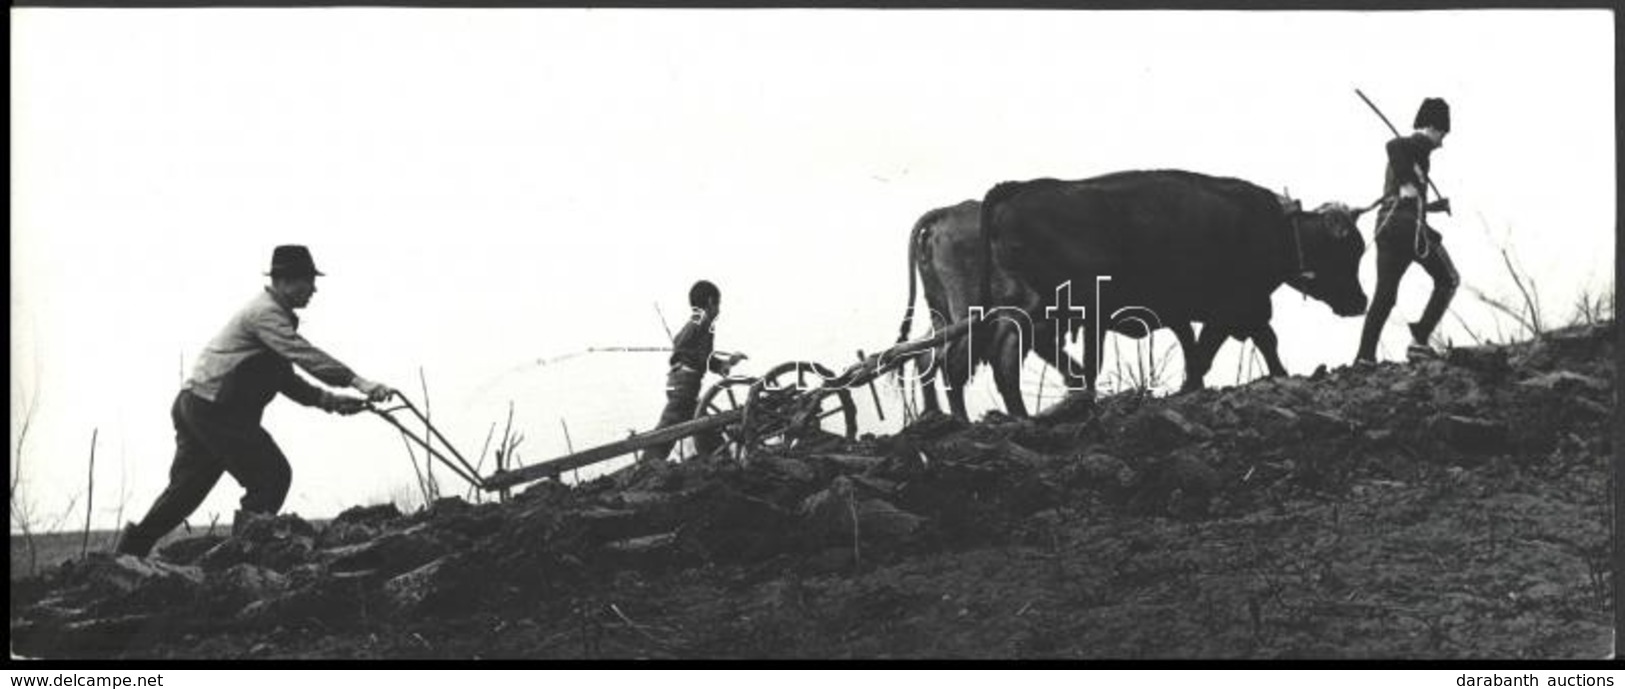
column 1420, row 350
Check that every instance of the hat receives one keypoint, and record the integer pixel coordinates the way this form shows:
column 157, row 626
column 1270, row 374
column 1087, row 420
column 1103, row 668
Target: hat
column 1434, row 113
column 292, row 260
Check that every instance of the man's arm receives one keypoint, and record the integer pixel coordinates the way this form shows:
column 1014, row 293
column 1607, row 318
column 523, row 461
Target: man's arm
column 309, row 395
column 275, row 329
column 304, row 393
column 721, row 363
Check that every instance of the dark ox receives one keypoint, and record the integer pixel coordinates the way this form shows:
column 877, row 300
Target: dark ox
column 1178, row 247
column 947, row 251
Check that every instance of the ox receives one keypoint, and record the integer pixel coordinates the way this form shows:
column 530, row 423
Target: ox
column 946, row 250
column 1176, row 246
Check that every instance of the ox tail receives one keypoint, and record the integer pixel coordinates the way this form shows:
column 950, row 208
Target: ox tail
column 915, row 237
column 995, row 196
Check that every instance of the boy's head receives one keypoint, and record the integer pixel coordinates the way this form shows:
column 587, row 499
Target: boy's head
column 704, row 295
column 1434, row 118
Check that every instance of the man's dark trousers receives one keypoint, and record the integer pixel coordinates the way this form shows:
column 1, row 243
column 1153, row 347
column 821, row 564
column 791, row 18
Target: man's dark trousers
column 211, row 440
column 682, row 399
column 1396, row 248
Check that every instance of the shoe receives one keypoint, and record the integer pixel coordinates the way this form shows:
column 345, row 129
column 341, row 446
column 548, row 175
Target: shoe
column 1364, row 364
column 131, row 542
column 1420, row 352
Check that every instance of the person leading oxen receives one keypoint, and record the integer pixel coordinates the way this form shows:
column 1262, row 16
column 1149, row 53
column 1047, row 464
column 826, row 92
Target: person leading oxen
column 1403, row 234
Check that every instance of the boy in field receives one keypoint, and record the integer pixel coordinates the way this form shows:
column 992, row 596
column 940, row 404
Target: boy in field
column 693, row 354
column 1403, row 235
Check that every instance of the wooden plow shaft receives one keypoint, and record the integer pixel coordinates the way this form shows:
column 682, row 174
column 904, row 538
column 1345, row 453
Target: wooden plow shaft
column 864, row 372
column 878, row 364
column 553, row 467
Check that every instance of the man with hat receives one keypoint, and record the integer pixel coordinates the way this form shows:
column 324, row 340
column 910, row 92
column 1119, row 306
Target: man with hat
column 1403, row 234
column 217, row 413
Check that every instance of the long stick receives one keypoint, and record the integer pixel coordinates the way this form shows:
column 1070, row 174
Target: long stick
column 597, row 350
column 669, row 337
column 1392, row 128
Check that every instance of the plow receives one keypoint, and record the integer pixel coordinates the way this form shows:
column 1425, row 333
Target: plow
column 796, row 404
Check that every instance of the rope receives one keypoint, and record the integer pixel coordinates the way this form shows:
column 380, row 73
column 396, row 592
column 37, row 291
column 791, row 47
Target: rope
column 1421, row 244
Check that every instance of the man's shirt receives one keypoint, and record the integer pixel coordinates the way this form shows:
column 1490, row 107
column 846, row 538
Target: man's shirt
column 248, row 363
column 1405, row 155
column 694, row 344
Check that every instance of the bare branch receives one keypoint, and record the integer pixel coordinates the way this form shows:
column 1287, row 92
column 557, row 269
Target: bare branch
column 123, row 485
column 413, row 458
column 486, row 447
column 56, row 524
column 19, row 513
column 1470, row 332
column 1528, row 299
column 28, row 412
column 90, row 494
column 1502, row 307
column 428, row 438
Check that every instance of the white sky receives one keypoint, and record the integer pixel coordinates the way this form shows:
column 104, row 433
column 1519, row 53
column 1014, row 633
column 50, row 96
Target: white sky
column 486, row 188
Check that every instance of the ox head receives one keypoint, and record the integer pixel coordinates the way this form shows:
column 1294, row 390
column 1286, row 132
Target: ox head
column 1332, row 247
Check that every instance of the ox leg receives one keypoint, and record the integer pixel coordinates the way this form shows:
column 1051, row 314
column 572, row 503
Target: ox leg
column 1266, row 342
column 1207, row 346
column 955, row 363
column 928, row 381
column 1051, row 347
column 1093, row 340
column 1008, row 350
column 1186, row 334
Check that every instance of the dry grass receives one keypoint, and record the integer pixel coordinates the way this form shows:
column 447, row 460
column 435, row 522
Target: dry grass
column 507, row 456
column 1526, row 311
column 1146, row 371
column 1593, row 306
column 25, row 518
column 90, row 493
